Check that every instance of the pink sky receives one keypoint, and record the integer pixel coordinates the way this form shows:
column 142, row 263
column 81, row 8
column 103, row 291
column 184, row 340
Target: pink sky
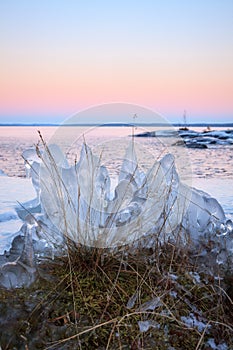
column 54, row 63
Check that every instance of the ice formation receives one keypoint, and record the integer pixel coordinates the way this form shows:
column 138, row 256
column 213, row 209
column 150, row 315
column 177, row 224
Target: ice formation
column 20, row 272
column 81, row 204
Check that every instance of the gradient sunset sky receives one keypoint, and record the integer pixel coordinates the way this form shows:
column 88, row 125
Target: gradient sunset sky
column 59, row 57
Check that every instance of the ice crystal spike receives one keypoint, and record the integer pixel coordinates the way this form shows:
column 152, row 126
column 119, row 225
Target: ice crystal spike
column 83, row 206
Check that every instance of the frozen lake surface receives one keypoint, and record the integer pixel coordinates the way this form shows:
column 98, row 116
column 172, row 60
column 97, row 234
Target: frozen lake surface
column 13, row 191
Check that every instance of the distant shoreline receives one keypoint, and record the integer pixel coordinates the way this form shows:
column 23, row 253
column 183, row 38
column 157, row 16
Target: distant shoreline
column 120, row 124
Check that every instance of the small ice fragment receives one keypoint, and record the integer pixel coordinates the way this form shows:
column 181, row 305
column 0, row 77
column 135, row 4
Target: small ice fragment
column 221, row 257
column 144, row 326
column 222, row 230
column 173, row 276
column 150, row 305
column 191, row 322
column 195, row 276
column 229, row 225
column 131, row 301
column 173, row 294
column 211, row 342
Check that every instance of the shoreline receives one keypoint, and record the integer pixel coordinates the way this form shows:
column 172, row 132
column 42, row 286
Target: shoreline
column 190, row 125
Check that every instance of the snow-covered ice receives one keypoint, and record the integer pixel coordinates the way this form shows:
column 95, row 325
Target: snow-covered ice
column 13, row 192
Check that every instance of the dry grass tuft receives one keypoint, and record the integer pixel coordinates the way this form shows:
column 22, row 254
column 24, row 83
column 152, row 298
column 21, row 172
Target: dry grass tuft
column 85, row 303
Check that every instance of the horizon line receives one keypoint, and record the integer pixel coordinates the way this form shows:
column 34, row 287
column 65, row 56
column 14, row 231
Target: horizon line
column 114, row 124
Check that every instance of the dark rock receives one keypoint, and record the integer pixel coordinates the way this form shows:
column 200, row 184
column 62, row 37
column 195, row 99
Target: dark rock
column 146, row 134
column 196, row 145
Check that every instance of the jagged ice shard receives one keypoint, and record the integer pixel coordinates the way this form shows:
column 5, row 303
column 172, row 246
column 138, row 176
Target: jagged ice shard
column 84, row 206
